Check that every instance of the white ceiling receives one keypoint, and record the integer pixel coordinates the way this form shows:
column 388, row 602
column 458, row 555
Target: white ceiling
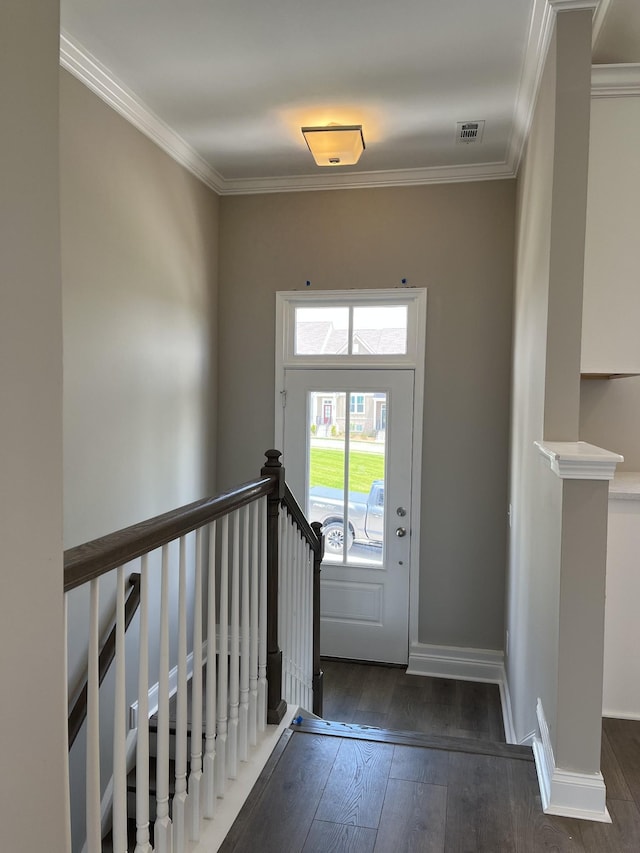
column 227, row 84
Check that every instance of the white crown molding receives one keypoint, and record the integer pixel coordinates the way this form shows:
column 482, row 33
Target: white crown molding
column 538, row 40
column 79, row 62
column 573, row 5
column 565, row 792
column 599, row 17
column 578, row 460
column 363, row 180
column 615, row 81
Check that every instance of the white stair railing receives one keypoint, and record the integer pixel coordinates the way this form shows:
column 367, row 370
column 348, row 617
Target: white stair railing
column 210, row 565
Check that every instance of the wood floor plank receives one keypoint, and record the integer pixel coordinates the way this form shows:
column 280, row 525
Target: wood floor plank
column 356, row 691
column 473, row 706
column 413, row 818
column 326, row 837
column 477, row 820
column 620, row 836
column 282, row 818
column 378, row 688
column 414, row 764
column 355, row 789
column 533, row 830
column 617, row 788
column 624, row 738
column 341, row 704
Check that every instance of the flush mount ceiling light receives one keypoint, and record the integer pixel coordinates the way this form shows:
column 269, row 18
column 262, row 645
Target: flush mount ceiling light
column 336, row 144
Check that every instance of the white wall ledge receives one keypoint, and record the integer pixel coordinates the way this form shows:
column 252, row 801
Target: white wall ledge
column 578, row 460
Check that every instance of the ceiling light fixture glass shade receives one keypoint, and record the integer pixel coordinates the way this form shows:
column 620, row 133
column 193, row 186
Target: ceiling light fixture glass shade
column 336, row 144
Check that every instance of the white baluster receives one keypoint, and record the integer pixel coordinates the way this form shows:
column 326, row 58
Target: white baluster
column 243, row 715
column 284, row 602
column 94, row 833
column 120, row 727
column 180, row 795
column 310, row 571
column 195, row 776
column 210, row 736
column 66, row 781
column 223, row 661
column 162, row 826
column 262, row 613
column 298, row 616
column 308, row 628
column 142, row 744
column 253, row 646
column 234, row 655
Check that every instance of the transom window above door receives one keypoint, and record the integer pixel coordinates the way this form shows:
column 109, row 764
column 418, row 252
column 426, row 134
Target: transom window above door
column 348, row 328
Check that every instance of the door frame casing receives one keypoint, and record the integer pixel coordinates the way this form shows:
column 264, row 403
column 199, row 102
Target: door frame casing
column 416, row 299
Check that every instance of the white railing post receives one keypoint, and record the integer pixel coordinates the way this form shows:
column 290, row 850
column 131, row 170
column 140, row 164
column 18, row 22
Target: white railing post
column 180, row 795
column 262, row 615
column 253, row 618
column 234, row 656
column 243, row 715
column 94, row 829
column 284, row 610
column 67, row 780
column 142, row 743
column 195, row 775
column 210, row 724
column 162, row 826
column 223, row 660
column 119, row 827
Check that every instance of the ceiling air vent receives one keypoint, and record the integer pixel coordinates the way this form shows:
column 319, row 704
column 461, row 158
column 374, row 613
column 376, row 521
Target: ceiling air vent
column 469, row 131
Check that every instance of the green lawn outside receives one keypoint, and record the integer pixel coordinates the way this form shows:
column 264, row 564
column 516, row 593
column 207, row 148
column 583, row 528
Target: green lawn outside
column 327, row 469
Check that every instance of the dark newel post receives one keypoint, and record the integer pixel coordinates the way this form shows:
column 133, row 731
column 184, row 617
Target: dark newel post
column 317, row 672
column 276, row 705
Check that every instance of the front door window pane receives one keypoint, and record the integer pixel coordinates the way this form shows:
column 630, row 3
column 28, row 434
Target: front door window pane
column 347, row 443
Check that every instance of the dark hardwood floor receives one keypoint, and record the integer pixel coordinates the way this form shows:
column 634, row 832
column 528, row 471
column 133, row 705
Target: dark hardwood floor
column 386, row 697
column 458, row 794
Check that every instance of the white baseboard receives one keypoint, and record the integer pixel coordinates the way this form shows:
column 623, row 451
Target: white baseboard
column 620, row 715
column 154, row 689
column 455, row 662
column 507, row 714
column 565, row 792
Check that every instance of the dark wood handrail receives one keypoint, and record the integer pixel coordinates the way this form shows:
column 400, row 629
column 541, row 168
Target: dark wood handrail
column 290, row 502
column 79, row 711
column 93, row 559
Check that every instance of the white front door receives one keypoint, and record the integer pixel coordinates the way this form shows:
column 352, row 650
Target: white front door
column 347, row 453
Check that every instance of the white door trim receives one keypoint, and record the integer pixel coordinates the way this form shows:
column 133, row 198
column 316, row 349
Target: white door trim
column 416, row 298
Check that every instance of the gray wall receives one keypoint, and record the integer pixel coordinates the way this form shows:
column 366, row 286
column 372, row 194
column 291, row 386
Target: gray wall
column 610, row 417
column 139, row 268
column 32, row 674
column 546, row 364
column 456, row 240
